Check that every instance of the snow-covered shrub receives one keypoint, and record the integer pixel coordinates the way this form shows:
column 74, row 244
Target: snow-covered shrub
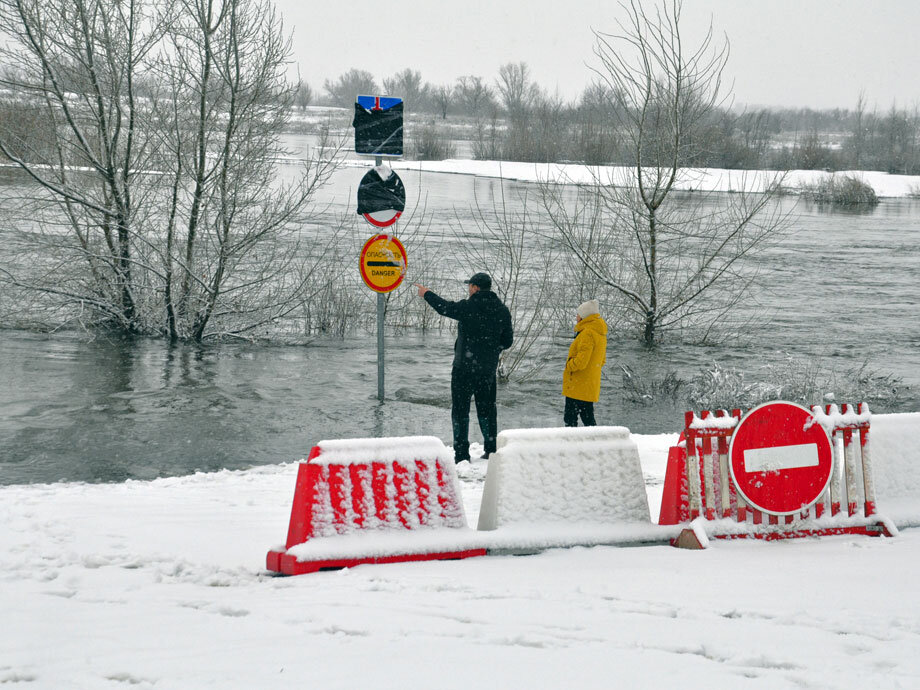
column 867, row 385
column 804, row 381
column 715, row 387
column 795, row 380
column 841, row 189
column 637, row 389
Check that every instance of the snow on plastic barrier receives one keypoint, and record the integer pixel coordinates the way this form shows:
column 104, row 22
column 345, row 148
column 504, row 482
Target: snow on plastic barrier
column 379, row 488
column 896, row 465
column 699, row 489
column 564, row 475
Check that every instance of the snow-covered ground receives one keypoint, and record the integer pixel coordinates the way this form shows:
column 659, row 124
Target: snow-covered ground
column 162, row 584
column 884, row 184
column 691, row 179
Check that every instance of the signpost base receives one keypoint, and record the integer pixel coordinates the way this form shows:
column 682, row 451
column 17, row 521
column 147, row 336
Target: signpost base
column 688, row 538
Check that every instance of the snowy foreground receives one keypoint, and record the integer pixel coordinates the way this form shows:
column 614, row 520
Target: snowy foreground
column 162, row 585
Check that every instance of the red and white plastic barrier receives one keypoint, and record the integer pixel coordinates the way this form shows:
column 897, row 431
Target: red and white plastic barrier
column 703, row 474
column 857, row 487
column 777, row 472
column 404, row 490
column 397, row 499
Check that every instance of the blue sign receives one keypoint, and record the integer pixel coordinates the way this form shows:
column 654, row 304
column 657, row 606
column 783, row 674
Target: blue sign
column 378, row 125
column 378, row 102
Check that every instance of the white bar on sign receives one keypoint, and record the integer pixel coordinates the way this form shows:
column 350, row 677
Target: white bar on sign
column 781, row 458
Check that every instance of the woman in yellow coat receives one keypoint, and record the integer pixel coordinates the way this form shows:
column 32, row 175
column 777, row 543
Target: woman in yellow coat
column 581, row 382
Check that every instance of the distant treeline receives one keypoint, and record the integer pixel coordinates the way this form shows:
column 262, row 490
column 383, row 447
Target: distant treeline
column 513, row 118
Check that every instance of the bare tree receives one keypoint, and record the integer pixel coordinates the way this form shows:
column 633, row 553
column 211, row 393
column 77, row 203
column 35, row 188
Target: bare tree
column 355, row 82
column 534, row 128
column 159, row 213
column 594, row 136
column 506, row 247
column 676, row 263
column 79, row 62
column 442, row 96
column 857, row 141
column 409, row 86
column 753, row 127
column 898, row 137
column 473, row 94
column 303, row 95
column 517, row 90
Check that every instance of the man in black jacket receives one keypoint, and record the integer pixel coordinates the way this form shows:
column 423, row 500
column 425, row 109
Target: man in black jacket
column 484, row 330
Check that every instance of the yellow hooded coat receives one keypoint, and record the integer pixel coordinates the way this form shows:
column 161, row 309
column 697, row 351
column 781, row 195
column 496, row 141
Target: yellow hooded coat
column 587, row 354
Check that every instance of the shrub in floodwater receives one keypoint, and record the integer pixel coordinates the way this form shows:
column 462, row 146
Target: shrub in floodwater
column 637, row 389
column 716, row 387
column 841, row 189
column 862, row 384
column 431, row 143
column 794, row 380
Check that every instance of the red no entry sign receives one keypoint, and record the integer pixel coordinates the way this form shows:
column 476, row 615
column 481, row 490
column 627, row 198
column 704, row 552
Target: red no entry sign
column 781, row 459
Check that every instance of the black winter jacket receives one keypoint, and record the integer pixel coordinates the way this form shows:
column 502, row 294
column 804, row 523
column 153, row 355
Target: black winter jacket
column 484, row 330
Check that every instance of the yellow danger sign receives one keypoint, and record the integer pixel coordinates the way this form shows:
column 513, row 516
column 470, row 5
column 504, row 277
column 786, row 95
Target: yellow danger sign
column 383, row 263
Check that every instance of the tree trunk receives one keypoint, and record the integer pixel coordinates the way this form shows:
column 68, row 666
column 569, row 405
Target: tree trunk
column 124, row 270
column 652, row 313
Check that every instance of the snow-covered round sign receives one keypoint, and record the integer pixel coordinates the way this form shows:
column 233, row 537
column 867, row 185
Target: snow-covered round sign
column 781, row 459
column 381, row 196
column 382, row 219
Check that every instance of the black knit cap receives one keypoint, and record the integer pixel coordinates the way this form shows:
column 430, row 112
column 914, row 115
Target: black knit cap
column 481, row 280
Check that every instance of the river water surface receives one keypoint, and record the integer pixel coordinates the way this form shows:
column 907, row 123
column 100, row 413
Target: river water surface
column 844, row 290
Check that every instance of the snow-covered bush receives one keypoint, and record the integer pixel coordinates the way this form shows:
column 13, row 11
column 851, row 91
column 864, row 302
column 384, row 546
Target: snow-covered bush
column 715, row 387
column 841, row 189
column 803, row 381
column 796, row 380
column 645, row 390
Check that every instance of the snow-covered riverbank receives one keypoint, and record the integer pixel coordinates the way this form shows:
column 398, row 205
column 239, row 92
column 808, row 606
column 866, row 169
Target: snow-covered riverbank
column 691, row 179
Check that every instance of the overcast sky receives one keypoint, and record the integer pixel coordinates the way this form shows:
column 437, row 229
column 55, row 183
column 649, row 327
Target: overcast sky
column 806, row 53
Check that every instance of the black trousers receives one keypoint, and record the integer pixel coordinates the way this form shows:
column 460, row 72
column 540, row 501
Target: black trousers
column 575, row 408
column 463, row 386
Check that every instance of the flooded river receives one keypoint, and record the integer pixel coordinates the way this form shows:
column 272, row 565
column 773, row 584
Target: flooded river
column 844, row 290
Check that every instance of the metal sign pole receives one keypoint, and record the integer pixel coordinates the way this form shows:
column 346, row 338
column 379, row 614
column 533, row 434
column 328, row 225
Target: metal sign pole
column 378, row 127
column 381, row 310
column 381, row 306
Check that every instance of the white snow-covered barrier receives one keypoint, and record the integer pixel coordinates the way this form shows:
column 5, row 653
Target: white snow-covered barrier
column 570, row 475
column 896, row 466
